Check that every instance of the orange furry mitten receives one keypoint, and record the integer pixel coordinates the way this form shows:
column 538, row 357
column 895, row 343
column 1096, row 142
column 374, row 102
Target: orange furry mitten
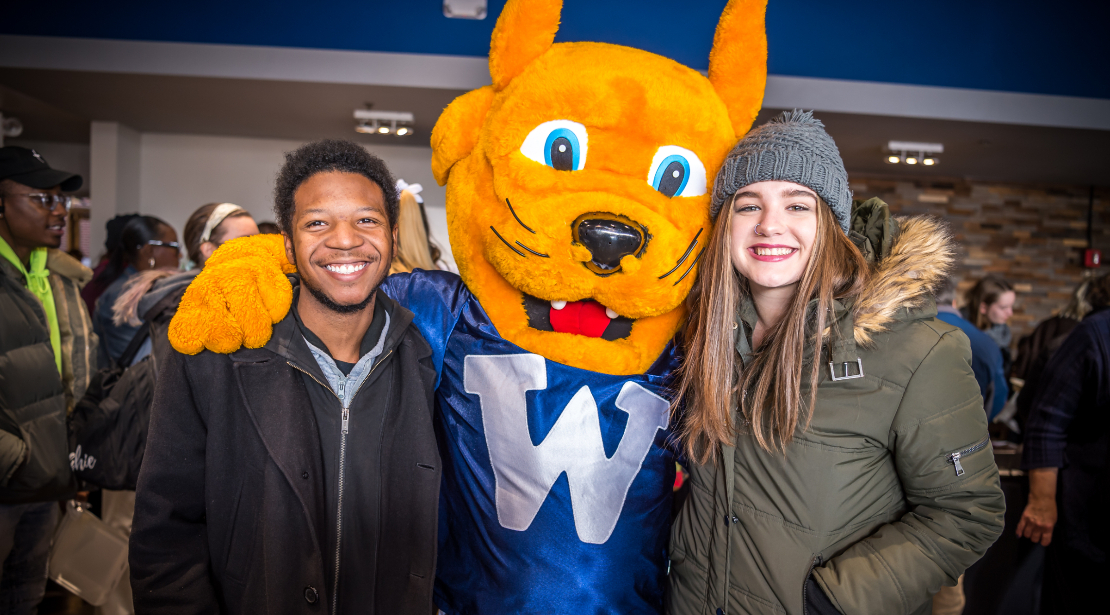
column 236, row 300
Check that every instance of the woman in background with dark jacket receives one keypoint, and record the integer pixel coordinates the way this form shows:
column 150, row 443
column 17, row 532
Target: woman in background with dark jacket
column 109, row 267
column 146, row 243
column 843, row 464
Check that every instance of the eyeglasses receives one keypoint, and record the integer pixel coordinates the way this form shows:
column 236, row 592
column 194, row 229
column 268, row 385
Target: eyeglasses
column 168, row 244
column 49, row 202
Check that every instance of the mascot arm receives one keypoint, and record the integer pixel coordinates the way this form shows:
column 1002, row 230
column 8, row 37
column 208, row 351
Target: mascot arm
column 236, row 300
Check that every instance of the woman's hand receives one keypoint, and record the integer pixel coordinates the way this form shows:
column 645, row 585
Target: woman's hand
column 1039, row 516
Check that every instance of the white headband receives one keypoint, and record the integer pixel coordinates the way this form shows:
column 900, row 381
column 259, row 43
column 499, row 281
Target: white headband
column 222, row 211
column 413, row 189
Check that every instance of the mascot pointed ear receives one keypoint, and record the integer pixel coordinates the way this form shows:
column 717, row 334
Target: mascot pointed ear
column 524, row 31
column 738, row 61
column 457, row 129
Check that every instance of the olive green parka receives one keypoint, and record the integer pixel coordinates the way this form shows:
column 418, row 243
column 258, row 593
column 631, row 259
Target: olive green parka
column 889, row 492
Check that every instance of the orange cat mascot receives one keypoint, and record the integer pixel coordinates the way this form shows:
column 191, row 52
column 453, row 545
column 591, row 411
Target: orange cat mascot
column 578, row 210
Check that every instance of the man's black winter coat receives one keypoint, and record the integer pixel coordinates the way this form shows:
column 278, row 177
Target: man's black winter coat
column 230, row 512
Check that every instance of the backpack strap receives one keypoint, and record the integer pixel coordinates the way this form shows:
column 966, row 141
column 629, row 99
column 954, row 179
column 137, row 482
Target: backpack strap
column 133, row 348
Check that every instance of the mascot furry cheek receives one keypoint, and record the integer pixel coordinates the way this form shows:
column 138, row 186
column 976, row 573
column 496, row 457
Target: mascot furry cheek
column 578, row 182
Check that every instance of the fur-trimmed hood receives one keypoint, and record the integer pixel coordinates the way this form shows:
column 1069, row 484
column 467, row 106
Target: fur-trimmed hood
column 911, row 256
column 63, row 264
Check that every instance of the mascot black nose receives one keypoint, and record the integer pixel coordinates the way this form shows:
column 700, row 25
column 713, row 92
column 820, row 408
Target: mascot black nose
column 608, row 240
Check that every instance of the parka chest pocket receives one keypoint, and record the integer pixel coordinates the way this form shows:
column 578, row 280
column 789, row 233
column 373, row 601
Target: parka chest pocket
column 862, row 406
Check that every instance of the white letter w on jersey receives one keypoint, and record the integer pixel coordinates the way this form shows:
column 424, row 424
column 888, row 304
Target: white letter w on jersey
column 524, row 473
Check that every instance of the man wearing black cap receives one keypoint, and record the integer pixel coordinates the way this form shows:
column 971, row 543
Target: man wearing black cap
column 47, row 354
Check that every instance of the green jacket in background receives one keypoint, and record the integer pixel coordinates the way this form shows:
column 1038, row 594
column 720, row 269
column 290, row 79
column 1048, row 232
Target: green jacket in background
column 34, row 398
column 867, row 495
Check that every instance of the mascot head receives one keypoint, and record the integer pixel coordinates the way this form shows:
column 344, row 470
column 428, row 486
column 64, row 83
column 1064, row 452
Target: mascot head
column 578, row 183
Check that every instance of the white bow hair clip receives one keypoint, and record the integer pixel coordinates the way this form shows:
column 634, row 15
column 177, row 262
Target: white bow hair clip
column 415, row 189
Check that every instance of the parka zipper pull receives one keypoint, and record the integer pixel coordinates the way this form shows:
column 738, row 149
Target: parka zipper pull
column 955, row 459
column 347, row 417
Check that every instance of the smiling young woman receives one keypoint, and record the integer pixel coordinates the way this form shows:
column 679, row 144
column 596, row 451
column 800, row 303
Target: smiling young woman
column 835, row 424
column 820, row 263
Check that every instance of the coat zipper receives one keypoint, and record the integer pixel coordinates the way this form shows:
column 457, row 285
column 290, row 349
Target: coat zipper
column 346, row 416
column 805, row 583
column 954, row 458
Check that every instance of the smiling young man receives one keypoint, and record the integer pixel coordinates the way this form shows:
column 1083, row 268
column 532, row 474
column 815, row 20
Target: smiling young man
column 302, row 476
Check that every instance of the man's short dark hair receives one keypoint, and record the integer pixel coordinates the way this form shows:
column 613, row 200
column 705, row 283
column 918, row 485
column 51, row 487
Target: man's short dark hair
column 945, row 291
column 322, row 157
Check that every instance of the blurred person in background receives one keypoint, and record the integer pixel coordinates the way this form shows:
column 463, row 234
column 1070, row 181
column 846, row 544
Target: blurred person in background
column 1034, row 350
column 414, row 248
column 990, row 304
column 210, row 226
column 269, row 228
column 146, row 243
column 110, row 266
column 46, row 350
column 1067, row 457
column 1050, row 331
column 152, row 296
column 986, row 356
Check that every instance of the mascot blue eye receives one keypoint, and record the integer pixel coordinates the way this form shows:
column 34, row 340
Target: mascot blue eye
column 561, row 150
column 676, row 171
column 559, row 144
column 672, row 175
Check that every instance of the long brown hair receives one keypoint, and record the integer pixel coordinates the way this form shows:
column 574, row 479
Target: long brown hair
column 985, row 292
column 712, row 379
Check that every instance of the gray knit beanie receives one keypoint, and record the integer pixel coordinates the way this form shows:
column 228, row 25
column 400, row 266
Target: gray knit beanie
column 792, row 147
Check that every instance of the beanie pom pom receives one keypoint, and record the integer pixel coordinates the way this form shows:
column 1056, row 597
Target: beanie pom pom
column 797, row 116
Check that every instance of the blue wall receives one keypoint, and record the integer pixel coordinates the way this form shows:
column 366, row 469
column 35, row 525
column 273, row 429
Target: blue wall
column 1054, row 47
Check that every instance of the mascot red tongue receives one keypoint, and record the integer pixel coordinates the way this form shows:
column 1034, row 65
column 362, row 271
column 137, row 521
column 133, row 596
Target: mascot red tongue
column 578, row 207
column 580, row 318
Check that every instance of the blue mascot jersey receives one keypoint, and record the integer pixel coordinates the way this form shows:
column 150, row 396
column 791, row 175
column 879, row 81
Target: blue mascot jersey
column 557, row 481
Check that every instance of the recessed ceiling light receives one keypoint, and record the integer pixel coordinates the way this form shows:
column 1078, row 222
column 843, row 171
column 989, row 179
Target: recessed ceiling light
column 384, row 122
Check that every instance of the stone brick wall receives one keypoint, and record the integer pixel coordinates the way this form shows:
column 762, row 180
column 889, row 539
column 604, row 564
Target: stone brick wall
column 1031, row 235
